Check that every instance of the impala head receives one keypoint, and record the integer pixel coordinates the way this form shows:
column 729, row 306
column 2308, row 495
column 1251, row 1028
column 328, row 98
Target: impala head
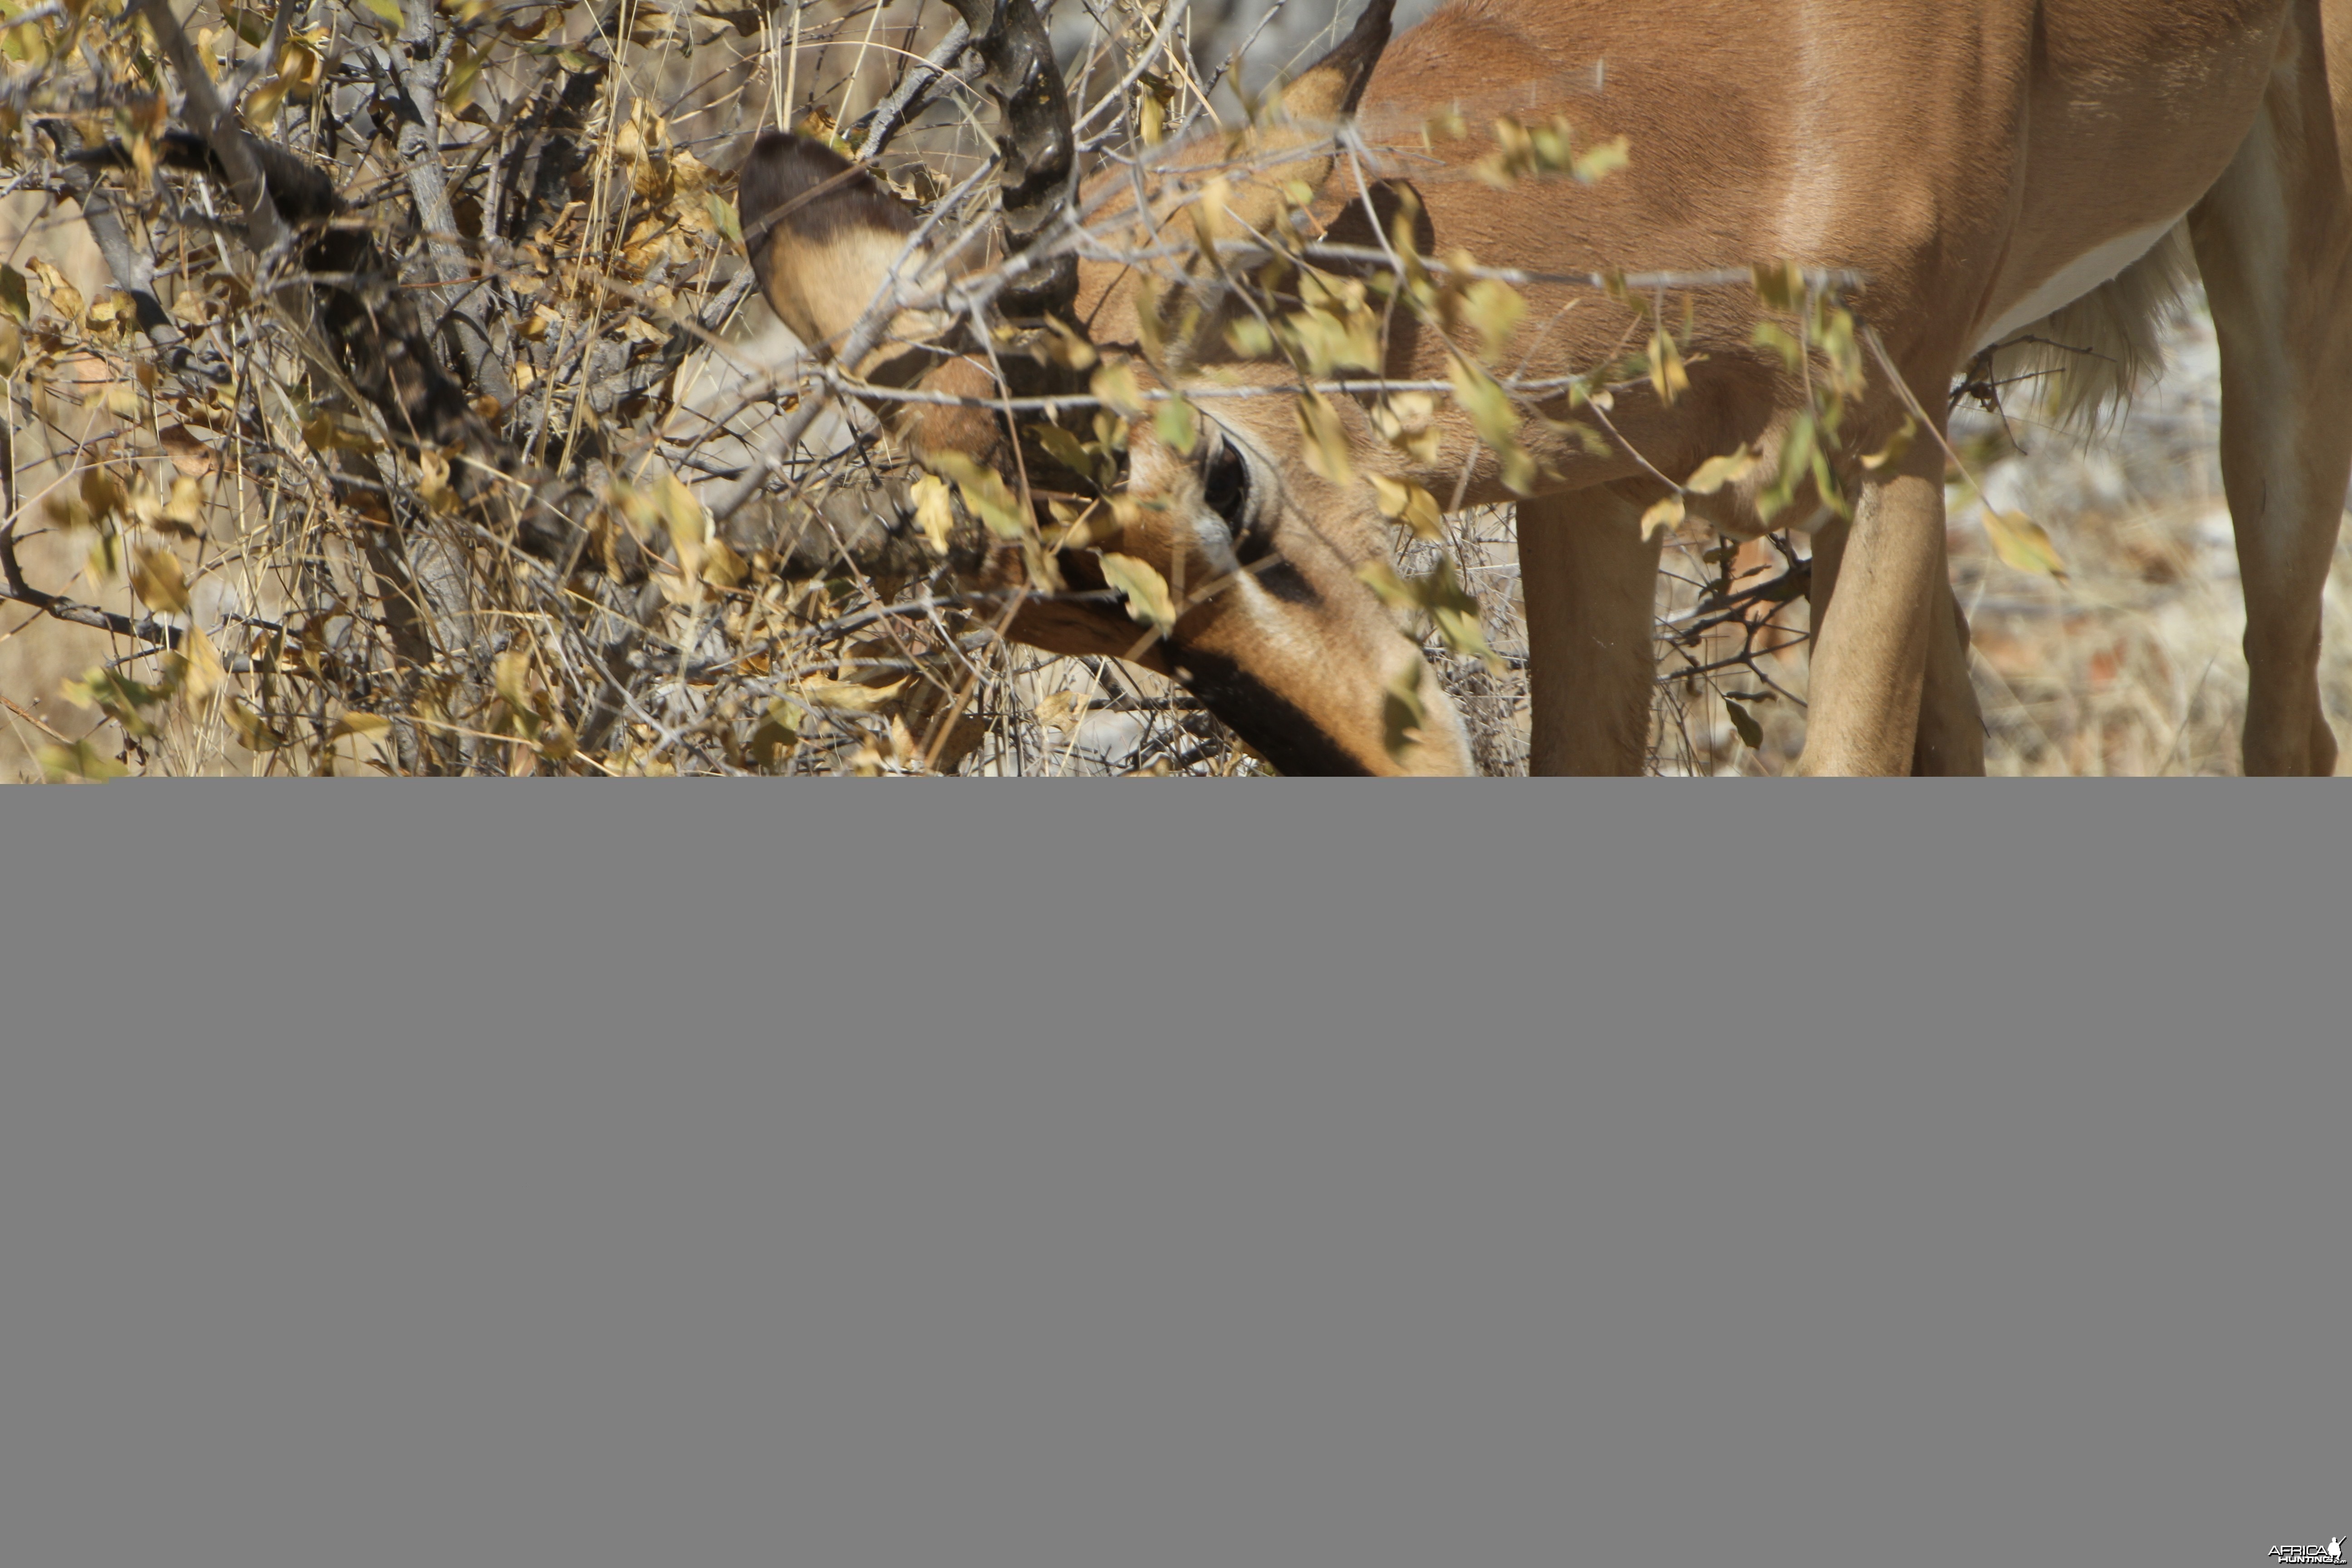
column 1274, row 630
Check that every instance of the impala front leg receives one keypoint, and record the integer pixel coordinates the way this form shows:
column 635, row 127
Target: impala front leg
column 1950, row 741
column 1591, row 581
column 1871, row 640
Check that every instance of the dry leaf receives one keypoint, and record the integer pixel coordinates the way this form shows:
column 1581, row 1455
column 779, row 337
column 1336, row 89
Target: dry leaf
column 2020, row 543
column 1662, row 518
column 1409, row 504
column 847, row 696
column 1146, row 591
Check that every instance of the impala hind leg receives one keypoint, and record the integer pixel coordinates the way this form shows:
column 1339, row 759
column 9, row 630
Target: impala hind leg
column 1950, row 737
column 2273, row 239
column 1592, row 594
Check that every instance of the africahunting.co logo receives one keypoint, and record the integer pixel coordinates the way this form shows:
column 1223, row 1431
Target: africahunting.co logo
column 2331, row 1552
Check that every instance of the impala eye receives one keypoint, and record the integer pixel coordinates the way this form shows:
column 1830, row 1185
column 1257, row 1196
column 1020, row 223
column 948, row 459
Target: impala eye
column 1226, row 489
column 1224, row 484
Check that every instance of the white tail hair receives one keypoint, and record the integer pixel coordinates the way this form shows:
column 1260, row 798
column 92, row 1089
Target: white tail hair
column 2086, row 359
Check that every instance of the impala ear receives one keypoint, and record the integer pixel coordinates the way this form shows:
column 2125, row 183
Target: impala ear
column 1332, row 85
column 821, row 233
column 1326, row 92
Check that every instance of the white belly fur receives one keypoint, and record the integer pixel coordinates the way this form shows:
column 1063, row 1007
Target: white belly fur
column 2077, row 278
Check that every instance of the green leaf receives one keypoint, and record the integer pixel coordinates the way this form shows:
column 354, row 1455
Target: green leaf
column 78, row 762
column 119, row 696
column 387, row 11
column 1783, row 342
column 1796, row 462
column 1402, row 713
column 12, row 297
column 1176, row 427
column 723, row 214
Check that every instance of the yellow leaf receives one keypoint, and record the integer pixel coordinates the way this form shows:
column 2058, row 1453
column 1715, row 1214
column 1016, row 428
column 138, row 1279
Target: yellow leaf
column 105, row 555
column 1392, row 590
column 984, row 491
column 1327, row 447
column 1249, row 338
column 1145, row 590
column 261, row 103
column 389, row 10
column 1210, row 218
column 102, row 493
column 1666, row 373
column 156, row 578
column 1115, row 384
column 1409, row 504
column 1662, row 518
column 1495, row 420
column 510, row 675
column 1065, row 348
column 934, row 513
column 201, row 671
column 187, row 503
column 1407, row 421
column 1601, row 160
column 1897, row 447
column 252, row 731
column 1717, row 472
column 2020, row 543
column 361, row 724
column 325, row 433
column 849, row 696
column 778, row 731
column 722, row 567
column 1493, row 309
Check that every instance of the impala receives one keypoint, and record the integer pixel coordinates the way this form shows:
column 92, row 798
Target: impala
column 1974, row 165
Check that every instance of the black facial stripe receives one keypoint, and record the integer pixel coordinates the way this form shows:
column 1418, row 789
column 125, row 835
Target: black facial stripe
column 1286, row 582
column 1280, row 732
